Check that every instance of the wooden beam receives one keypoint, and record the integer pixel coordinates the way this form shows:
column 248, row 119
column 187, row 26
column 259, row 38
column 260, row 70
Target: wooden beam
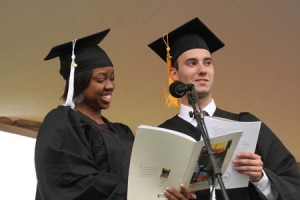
column 27, row 124
column 18, row 130
column 6, row 120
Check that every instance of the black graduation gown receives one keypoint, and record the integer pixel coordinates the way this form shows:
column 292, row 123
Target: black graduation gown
column 279, row 164
column 77, row 159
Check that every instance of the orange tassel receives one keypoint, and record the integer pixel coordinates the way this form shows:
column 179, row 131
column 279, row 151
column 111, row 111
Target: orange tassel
column 170, row 100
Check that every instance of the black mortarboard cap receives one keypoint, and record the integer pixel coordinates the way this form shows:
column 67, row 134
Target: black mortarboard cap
column 191, row 35
column 88, row 54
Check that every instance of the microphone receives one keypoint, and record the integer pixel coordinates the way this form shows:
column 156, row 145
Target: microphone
column 178, row 89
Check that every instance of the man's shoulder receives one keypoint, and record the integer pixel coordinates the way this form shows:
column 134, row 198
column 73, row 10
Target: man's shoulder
column 176, row 123
column 170, row 121
column 242, row 116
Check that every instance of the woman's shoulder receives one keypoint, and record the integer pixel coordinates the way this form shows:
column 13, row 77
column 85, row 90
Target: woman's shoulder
column 65, row 122
column 61, row 116
column 59, row 111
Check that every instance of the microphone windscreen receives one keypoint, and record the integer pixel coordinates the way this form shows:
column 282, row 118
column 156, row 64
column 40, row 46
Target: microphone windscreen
column 173, row 87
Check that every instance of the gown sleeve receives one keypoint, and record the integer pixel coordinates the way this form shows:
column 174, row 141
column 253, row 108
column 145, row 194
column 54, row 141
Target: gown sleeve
column 65, row 165
column 279, row 164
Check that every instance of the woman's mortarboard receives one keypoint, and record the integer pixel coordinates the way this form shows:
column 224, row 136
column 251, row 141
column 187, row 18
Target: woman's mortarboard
column 192, row 35
column 88, row 54
column 80, row 55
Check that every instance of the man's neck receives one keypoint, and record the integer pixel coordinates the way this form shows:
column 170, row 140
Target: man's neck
column 203, row 101
column 184, row 111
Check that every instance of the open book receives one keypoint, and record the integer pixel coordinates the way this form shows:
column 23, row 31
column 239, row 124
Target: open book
column 165, row 158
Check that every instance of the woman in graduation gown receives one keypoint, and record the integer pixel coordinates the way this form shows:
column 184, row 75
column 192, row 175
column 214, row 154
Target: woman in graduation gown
column 79, row 153
column 272, row 169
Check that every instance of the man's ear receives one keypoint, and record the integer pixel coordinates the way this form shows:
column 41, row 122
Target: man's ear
column 173, row 74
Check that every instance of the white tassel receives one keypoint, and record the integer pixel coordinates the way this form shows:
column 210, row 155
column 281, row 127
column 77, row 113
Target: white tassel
column 69, row 100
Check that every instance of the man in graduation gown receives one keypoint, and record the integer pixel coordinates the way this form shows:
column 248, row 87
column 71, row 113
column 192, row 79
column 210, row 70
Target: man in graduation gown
column 272, row 169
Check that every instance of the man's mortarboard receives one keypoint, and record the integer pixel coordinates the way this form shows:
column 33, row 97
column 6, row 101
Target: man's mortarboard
column 88, row 54
column 80, row 55
column 192, row 35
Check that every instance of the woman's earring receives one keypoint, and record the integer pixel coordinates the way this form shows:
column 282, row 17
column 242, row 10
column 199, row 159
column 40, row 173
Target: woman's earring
column 79, row 98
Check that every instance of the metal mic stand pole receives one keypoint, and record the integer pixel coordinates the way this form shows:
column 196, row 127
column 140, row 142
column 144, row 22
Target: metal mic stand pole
column 203, row 132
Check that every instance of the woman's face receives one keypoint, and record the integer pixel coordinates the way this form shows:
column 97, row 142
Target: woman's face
column 97, row 94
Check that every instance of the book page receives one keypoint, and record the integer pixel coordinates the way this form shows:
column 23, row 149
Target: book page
column 216, row 127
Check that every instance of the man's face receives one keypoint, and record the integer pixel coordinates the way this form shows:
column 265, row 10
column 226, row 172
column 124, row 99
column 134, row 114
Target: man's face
column 195, row 66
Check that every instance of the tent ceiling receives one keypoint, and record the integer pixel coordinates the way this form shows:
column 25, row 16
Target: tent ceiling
column 257, row 71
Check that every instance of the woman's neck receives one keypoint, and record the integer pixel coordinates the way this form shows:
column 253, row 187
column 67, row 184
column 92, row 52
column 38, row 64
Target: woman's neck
column 90, row 112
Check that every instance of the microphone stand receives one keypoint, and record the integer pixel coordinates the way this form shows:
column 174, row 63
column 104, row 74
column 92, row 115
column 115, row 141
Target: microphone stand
column 203, row 132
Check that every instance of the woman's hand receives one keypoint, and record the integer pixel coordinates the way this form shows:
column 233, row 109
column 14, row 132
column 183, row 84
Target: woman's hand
column 183, row 194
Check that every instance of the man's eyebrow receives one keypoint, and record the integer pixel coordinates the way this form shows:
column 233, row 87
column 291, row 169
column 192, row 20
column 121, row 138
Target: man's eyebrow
column 207, row 58
column 189, row 59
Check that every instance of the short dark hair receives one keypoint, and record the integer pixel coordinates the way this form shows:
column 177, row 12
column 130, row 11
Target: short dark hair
column 81, row 81
column 175, row 65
